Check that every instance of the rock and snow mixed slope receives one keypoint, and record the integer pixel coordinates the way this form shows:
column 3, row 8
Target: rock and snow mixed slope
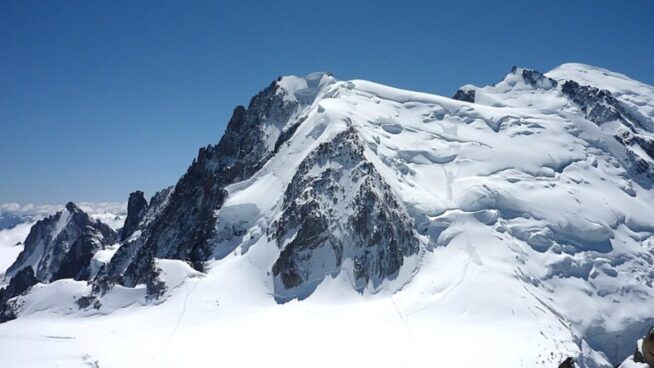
column 347, row 222
column 16, row 220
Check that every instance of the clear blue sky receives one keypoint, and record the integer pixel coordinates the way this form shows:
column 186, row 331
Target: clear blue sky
column 99, row 98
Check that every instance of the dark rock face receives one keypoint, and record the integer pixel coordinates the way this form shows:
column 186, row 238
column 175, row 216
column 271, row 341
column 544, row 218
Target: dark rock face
column 638, row 356
column 111, row 273
column 646, row 352
column 62, row 245
column 465, row 95
column 75, row 264
column 601, row 107
column 20, row 283
column 182, row 227
column 315, row 237
column 136, row 209
column 568, row 363
column 535, row 78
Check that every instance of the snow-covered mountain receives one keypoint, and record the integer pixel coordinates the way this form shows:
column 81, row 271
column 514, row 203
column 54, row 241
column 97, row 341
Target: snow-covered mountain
column 350, row 223
column 16, row 221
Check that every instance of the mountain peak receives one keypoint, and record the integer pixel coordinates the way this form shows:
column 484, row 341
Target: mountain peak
column 72, row 207
column 60, row 245
column 304, row 89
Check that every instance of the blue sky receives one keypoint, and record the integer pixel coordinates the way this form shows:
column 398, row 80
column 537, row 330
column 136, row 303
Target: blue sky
column 101, row 98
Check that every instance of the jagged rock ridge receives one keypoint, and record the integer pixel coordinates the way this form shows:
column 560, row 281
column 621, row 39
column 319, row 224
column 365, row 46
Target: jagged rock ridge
column 181, row 228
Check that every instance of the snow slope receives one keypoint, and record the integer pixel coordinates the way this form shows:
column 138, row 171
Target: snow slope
column 535, row 244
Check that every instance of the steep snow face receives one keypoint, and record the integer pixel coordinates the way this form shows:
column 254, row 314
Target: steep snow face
column 510, row 221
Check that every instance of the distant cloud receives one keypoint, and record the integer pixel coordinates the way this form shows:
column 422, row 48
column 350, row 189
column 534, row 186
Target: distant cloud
column 111, row 213
column 47, row 209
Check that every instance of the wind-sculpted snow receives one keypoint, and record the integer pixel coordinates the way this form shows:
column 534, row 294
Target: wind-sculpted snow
column 513, row 221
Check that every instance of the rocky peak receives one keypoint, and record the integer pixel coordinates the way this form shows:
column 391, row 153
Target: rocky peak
column 66, row 240
column 72, row 207
column 136, row 209
column 57, row 247
column 115, row 271
column 181, row 229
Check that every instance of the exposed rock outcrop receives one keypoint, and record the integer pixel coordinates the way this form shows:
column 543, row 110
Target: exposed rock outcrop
column 644, row 353
column 20, row 283
column 601, row 107
column 316, row 238
column 466, row 95
column 647, row 347
column 568, row 363
column 137, row 207
column 535, row 78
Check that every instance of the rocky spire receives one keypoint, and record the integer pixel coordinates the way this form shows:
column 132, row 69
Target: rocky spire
column 137, row 207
